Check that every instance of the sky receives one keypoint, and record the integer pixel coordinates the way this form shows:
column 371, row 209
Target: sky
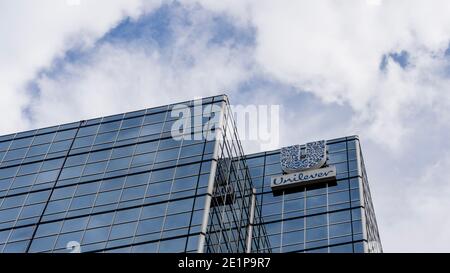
column 373, row 68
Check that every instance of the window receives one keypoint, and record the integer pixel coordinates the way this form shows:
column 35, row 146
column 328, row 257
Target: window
column 192, row 150
column 52, row 164
column 338, row 197
column 340, row 216
column 347, row 248
column 61, row 193
column 21, row 234
column 63, row 135
column 4, row 145
column 13, row 201
column 63, row 239
column 71, row 172
column 154, row 210
column 60, row 146
column 110, row 126
column 8, row 172
column 41, row 139
column 145, row 248
column 271, row 159
column 57, row 206
column 357, row 227
column 117, row 164
column 137, row 179
column 133, row 193
column 270, row 209
column 337, row 157
column 187, row 170
column 143, row 159
column 149, row 226
column 273, row 169
column 159, row 188
column 106, row 137
column 42, row 244
column 108, row 197
column 99, row 156
column 83, row 142
column 5, row 184
column 316, row 233
column 18, row 247
column 96, row 235
column 341, row 167
column 256, row 161
column 146, row 147
column 88, row 130
column 128, row 133
column 87, row 188
column 20, row 143
column 275, row 240
column 129, row 215
column 9, row 214
column 169, row 143
column 32, row 211
column 356, row 214
column 293, row 237
column 100, row 220
column 162, row 175
column 180, row 206
column 256, row 171
column 37, row 197
column 337, row 146
column 171, row 246
column 154, row 118
column 38, row 150
column 294, row 224
column 22, row 181
column 29, row 168
column 49, row 229
column 340, row 229
column 166, row 155
column 317, row 220
column 132, row 122
column 112, row 184
column 122, row 231
column 15, row 154
column 185, row 183
column 76, row 160
column 316, row 201
column 94, row 168
column 177, row 220
column 75, row 224
column 294, row 205
column 82, row 202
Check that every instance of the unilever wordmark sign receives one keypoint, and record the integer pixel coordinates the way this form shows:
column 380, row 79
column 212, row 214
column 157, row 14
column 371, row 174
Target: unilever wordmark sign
column 303, row 178
column 303, row 167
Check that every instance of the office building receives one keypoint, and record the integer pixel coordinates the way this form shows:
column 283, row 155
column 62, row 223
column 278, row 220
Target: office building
column 173, row 179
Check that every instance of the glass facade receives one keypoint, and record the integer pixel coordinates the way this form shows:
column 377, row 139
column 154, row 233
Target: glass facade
column 135, row 182
column 328, row 217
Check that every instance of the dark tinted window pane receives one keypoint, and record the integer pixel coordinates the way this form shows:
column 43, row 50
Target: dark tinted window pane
column 128, row 133
column 75, row 224
column 110, row 126
column 172, row 246
column 96, row 235
column 101, row 220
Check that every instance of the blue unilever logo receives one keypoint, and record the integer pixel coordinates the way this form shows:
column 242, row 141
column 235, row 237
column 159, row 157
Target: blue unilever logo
column 294, row 159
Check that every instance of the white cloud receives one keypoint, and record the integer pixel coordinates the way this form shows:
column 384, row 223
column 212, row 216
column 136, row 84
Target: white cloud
column 35, row 32
column 416, row 220
column 133, row 75
column 334, row 50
